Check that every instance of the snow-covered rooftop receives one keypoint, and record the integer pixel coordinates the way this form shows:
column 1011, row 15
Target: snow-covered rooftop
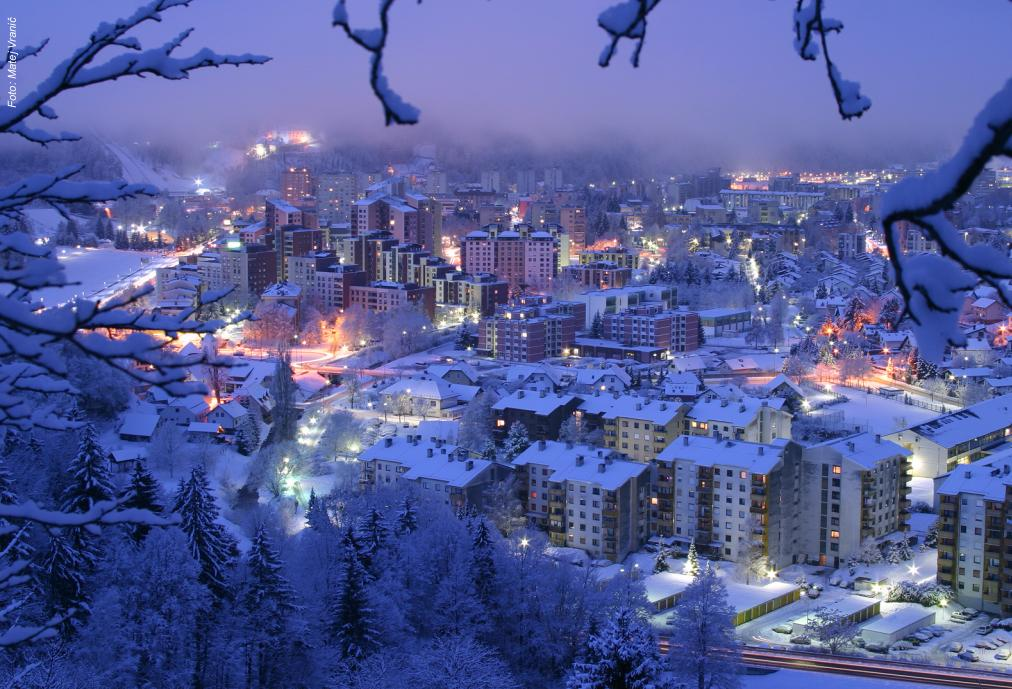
column 756, row 458
column 866, row 449
column 581, row 463
column 949, row 430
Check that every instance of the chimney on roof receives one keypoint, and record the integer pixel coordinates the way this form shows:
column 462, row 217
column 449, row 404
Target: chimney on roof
column 469, row 465
column 741, row 408
column 639, row 406
column 723, row 403
column 685, row 440
column 967, row 474
column 850, row 445
column 569, row 444
column 664, row 406
column 579, row 460
column 442, row 450
column 542, row 445
column 762, row 450
column 520, row 394
column 428, row 452
column 601, row 467
column 387, row 442
column 878, row 437
column 543, row 394
column 766, row 403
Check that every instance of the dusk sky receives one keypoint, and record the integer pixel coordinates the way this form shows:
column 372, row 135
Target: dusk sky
column 719, row 82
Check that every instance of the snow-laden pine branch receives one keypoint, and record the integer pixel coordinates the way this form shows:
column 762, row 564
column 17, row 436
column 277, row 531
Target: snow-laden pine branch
column 933, row 286
column 91, row 64
column 811, row 30
column 396, row 110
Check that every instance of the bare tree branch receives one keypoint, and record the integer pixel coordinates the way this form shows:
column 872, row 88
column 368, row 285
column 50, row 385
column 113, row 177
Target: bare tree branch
column 395, row 109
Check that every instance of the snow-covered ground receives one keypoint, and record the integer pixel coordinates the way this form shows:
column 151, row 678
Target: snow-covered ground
column 137, row 171
column 101, row 273
column 799, row 679
column 875, row 413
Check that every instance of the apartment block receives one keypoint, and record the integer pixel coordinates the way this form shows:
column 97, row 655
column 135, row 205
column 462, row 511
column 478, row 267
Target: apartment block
column 975, row 534
column 600, row 275
column 586, row 499
column 640, row 428
column 852, row 489
column 529, row 329
column 651, row 325
column 725, row 495
column 523, row 256
column 750, row 419
column 382, row 297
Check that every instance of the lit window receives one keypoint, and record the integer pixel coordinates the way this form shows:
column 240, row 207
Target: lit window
column 500, row 423
column 837, row 469
column 743, row 474
column 834, row 534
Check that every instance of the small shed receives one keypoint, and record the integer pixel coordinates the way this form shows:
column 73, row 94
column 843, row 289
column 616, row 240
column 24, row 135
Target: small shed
column 897, row 621
column 138, row 427
column 123, row 460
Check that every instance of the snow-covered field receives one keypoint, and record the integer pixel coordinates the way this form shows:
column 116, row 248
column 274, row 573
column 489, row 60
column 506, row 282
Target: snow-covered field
column 99, row 273
column 875, row 413
column 136, row 171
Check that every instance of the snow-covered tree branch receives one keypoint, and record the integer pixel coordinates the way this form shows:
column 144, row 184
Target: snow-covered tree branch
column 811, row 30
column 395, row 109
column 627, row 19
column 34, row 335
column 933, row 285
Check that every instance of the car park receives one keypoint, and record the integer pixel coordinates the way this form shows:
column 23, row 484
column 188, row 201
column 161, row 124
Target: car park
column 955, row 647
column 969, row 656
column 1003, row 653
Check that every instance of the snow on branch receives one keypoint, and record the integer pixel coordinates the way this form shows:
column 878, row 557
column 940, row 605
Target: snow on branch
column 103, row 512
column 627, row 19
column 811, row 30
column 396, row 110
column 933, row 286
column 90, row 65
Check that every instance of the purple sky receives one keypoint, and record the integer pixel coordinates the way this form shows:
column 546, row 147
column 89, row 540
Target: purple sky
column 719, row 81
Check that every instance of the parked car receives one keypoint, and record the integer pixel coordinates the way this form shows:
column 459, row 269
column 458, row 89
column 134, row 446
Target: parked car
column 985, row 629
column 801, row 640
column 924, row 636
column 987, row 646
column 876, row 648
column 969, row 613
column 1004, row 624
column 955, row 647
column 901, row 646
column 783, row 628
column 912, row 640
column 1003, row 653
column 835, row 581
column 969, row 656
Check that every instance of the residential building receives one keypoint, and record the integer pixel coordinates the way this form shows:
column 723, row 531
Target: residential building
column 529, row 329
column 725, row 322
column 651, row 325
column 438, row 471
column 521, row 255
column 585, row 499
column 336, row 194
column 750, row 419
column 574, row 221
column 727, row 496
column 959, row 437
column 975, row 514
column 250, row 268
column 541, row 413
column 478, row 294
column 323, row 279
column 640, row 428
column 388, row 296
column 852, row 489
column 296, row 184
column 618, row 255
column 619, row 299
column 600, row 275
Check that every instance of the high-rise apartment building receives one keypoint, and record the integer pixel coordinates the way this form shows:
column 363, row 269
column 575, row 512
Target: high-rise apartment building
column 523, row 256
column 296, row 184
column 336, row 194
column 574, row 221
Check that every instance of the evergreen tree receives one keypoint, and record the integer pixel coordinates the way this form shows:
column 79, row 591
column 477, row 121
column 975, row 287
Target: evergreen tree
column 316, row 514
column 701, row 334
column 142, row 493
column 692, row 560
column 463, row 339
column 407, row 518
column 12, row 537
column 623, row 654
column 91, row 481
column 268, row 602
column 482, row 561
column 373, row 535
column 597, row 327
column 282, row 391
column 62, row 573
column 210, row 544
column 353, row 624
column 489, row 451
column 661, row 561
column 247, row 435
column 821, row 292
column 516, row 441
